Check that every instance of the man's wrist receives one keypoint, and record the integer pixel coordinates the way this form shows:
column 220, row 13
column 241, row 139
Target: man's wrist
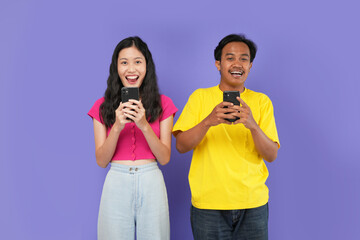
column 206, row 123
column 254, row 128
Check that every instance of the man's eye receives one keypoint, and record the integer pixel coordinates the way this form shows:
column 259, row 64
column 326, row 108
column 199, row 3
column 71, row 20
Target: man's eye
column 229, row 59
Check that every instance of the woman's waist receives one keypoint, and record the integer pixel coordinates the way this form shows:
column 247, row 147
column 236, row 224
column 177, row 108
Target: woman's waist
column 138, row 166
column 133, row 162
column 135, row 153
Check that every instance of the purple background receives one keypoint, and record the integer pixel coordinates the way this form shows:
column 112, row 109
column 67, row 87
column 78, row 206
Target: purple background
column 54, row 61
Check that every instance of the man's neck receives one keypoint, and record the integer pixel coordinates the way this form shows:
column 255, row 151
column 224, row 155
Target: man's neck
column 240, row 88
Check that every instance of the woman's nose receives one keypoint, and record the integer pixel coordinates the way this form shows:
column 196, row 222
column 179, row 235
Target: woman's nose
column 131, row 68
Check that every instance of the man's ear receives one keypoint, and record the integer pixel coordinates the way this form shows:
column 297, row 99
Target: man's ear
column 217, row 64
column 250, row 66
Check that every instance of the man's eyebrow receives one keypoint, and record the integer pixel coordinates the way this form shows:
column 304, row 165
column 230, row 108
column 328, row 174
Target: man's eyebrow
column 231, row 54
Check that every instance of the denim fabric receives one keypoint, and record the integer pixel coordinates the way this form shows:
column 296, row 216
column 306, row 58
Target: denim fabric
column 244, row 224
column 134, row 198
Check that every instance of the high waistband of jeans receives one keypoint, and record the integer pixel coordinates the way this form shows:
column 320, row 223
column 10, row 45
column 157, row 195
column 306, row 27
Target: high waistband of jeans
column 135, row 168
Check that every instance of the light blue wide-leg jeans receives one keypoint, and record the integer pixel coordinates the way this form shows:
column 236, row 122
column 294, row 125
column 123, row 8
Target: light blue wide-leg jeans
column 134, row 198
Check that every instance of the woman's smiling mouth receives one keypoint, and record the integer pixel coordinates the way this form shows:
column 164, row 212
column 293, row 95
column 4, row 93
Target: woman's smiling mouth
column 132, row 78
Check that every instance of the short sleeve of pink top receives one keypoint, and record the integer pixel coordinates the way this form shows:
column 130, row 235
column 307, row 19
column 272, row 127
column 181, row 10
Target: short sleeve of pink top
column 132, row 144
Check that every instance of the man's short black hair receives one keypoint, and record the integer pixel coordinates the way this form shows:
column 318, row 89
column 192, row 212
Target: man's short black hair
column 235, row 38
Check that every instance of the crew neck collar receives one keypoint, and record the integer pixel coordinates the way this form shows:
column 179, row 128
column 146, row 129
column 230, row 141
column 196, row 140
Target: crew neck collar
column 244, row 92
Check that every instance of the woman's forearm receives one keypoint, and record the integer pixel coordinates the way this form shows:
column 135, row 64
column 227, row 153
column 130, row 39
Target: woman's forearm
column 105, row 152
column 160, row 147
column 160, row 150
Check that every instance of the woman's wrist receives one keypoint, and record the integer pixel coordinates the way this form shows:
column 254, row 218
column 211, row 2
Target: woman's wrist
column 144, row 127
column 117, row 128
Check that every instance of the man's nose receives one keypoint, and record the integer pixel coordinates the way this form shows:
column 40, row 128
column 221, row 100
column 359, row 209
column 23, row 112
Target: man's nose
column 238, row 61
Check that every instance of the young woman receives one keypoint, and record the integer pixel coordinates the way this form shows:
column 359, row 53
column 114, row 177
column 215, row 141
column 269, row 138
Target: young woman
column 133, row 137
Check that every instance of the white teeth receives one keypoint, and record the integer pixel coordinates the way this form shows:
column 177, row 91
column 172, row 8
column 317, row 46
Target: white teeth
column 131, row 77
column 240, row 73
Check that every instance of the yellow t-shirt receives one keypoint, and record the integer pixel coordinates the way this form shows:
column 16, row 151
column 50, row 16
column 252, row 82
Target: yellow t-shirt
column 226, row 170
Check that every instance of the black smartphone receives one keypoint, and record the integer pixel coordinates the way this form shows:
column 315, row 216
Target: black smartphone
column 129, row 93
column 230, row 96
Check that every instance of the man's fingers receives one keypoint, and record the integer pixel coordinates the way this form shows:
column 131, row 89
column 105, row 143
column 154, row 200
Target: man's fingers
column 227, row 110
column 227, row 104
column 243, row 103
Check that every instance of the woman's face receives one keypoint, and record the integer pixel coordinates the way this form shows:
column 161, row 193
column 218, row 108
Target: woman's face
column 131, row 67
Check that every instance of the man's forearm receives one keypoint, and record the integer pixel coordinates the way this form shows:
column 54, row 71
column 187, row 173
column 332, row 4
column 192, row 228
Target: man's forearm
column 188, row 140
column 264, row 145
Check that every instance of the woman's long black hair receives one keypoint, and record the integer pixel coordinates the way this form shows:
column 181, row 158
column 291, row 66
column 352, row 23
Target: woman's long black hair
column 149, row 91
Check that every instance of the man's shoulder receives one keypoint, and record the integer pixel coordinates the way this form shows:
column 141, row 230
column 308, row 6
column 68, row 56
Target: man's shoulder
column 256, row 95
column 205, row 91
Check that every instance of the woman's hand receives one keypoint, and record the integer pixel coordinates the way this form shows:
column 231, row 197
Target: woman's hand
column 120, row 117
column 135, row 111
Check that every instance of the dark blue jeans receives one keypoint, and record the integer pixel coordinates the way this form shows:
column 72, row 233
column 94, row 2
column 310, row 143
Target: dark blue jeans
column 244, row 224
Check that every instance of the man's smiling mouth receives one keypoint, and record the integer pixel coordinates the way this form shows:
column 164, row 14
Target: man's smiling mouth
column 237, row 73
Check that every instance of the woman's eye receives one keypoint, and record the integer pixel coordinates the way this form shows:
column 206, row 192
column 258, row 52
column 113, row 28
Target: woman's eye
column 138, row 62
column 123, row 63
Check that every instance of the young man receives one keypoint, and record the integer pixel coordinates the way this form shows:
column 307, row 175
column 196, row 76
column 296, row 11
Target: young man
column 227, row 174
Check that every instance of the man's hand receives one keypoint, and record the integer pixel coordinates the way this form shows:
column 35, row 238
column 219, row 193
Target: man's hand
column 219, row 113
column 263, row 144
column 245, row 115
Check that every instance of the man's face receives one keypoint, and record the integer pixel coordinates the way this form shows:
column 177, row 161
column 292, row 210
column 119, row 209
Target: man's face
column 234, row 66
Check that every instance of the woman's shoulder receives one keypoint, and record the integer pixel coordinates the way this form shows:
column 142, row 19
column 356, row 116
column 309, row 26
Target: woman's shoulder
column 165, row 100
column 167, row 106
column 95, row 109
column 99, row 101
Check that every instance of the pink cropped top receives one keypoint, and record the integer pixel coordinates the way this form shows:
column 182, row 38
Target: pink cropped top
column 132, row 144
